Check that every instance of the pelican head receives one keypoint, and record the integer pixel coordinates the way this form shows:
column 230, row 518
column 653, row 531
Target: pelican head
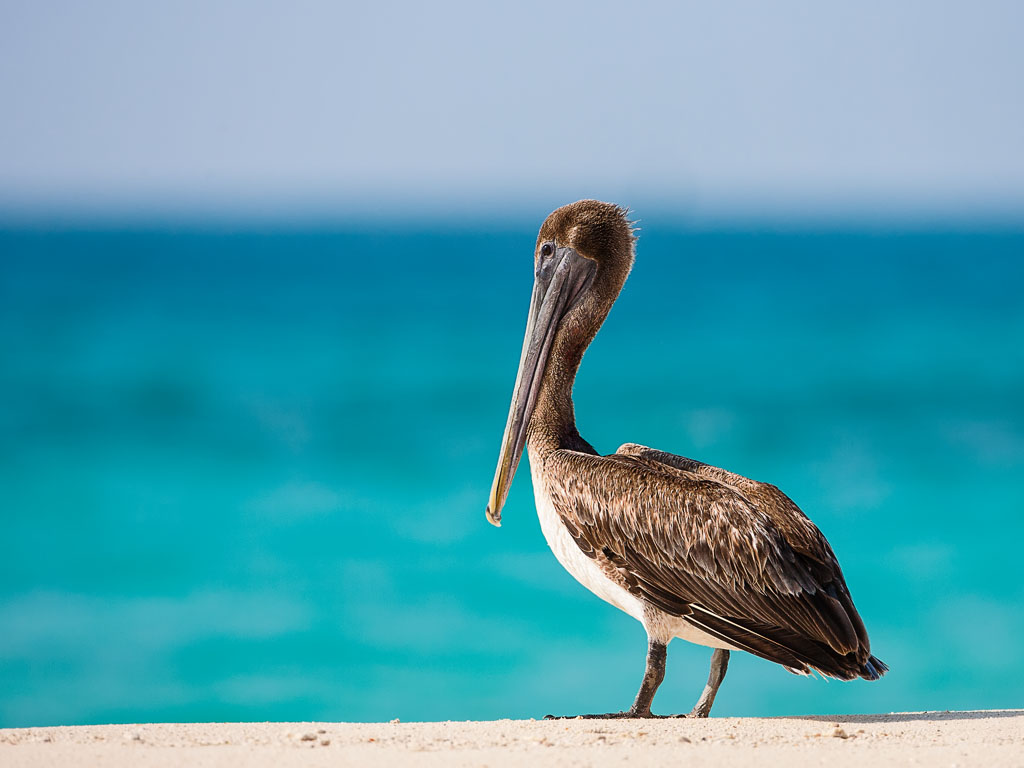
column 583, row 255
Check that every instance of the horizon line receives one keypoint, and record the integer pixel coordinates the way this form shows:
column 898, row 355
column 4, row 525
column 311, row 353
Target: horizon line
column 447, row 210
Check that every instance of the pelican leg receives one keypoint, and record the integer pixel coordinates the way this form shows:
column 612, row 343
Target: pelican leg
column 719, row 664
column 653, row 675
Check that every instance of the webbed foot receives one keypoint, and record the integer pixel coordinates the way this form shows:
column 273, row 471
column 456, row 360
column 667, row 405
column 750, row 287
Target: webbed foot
column 627, row 715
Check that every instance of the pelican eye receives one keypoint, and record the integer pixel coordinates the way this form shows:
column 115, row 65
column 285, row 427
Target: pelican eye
column 546, row 250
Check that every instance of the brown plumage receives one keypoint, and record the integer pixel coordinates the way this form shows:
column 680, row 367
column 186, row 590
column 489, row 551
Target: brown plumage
column 735, row 557
column 690, row 550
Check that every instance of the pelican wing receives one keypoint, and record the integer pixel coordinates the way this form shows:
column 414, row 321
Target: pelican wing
column 736, row 558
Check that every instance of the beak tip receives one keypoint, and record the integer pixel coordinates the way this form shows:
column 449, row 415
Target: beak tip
column 494, row 518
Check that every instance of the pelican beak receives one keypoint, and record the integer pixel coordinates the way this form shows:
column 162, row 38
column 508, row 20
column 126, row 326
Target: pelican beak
column 560, row 280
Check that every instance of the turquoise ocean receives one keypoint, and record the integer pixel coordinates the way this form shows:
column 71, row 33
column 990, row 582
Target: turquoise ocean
column 243, row 470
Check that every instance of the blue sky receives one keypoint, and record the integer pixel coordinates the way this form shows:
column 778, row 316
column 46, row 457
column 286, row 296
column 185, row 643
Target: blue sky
column 710, row 108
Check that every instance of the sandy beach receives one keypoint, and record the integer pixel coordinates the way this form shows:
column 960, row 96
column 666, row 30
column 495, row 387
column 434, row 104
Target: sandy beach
column 983, row 738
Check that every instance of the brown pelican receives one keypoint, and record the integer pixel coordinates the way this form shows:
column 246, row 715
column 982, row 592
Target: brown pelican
column 687, row 549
